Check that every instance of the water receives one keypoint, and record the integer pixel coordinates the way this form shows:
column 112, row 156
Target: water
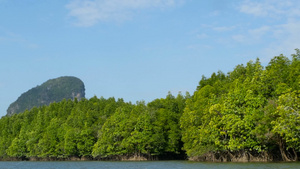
column 144, row 165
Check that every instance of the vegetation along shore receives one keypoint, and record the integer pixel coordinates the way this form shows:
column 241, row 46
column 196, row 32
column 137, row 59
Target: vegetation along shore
column 248, row 114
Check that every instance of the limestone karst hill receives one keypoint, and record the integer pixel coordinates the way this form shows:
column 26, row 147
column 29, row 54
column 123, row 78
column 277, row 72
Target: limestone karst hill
column 53, row 90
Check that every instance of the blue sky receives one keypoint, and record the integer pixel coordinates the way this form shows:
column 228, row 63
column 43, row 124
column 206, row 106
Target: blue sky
column 137, row 49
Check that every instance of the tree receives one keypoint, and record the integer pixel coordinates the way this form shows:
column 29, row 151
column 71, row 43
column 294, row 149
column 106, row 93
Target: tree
column 287, row 125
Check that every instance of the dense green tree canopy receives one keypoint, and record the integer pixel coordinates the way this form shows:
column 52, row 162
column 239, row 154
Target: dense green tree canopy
column 98, row 127
column 250, row 111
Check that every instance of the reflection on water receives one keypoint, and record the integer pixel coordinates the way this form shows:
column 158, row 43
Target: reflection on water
column 144, row 165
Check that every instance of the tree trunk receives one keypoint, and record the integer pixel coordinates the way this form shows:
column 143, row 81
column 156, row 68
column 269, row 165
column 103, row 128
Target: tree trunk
column 296, row 156
column 282, row 151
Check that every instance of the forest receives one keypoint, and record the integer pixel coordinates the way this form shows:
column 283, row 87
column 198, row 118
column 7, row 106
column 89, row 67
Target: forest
column 248, row 114
column 53, row 90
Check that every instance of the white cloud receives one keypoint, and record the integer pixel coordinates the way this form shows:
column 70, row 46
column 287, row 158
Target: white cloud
column 223, row 28
column 10, row 37
column 202, row 36
column 278, row 29
column 215, row 13
column 294, row 12
column 90, row 12
column 252, row 36
column 258, row 33
column 239, row 38
column 271, row 8
column 287, row 39
column 256, row 9
column 199, row 47
column 265, row 8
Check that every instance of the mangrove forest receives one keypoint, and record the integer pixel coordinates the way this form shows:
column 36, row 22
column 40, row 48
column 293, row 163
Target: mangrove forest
column 251, row 113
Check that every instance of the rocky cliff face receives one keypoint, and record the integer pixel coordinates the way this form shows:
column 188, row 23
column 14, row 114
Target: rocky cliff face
column 53, row 90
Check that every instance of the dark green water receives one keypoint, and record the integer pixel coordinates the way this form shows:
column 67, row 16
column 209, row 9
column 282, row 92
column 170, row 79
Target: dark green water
column 144, row 165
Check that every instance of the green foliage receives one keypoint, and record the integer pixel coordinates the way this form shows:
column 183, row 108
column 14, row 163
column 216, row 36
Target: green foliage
column 53, row 90
column 251, row 109
column 95, row 127
column 287, row 123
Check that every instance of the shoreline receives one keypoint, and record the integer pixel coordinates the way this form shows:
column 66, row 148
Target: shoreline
column 87, row 158
column 138, row 159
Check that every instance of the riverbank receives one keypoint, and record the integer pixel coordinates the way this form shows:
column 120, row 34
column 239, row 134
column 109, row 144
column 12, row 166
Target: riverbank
column 242, row 158
column 109, row 158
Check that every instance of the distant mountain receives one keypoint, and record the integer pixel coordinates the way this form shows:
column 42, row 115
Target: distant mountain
column 53, row 90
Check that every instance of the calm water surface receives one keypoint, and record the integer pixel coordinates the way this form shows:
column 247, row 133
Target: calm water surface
column 144, row 165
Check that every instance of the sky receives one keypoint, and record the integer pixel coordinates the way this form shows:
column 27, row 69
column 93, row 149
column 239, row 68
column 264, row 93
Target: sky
column 138, row 49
